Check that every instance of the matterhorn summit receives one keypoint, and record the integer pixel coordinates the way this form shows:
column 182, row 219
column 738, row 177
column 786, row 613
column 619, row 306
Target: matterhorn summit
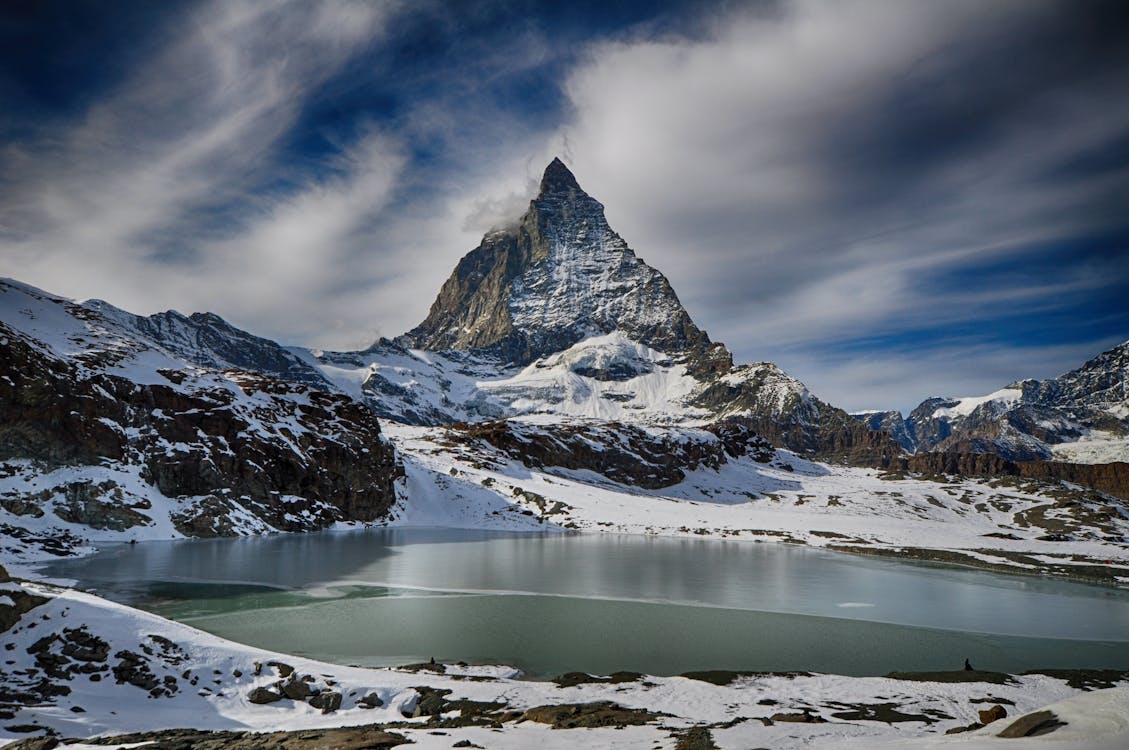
column 555, row 277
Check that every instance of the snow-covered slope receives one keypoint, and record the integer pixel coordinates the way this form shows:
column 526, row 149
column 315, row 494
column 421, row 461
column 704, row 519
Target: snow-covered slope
column 754, row 493
column 609, row 377
column 107, row 433
column 99, row 334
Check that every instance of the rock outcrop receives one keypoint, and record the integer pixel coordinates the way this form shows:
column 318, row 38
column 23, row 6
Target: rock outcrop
column 890, row 422
column 629, row 454
column 142, row 427
column 1111, row 478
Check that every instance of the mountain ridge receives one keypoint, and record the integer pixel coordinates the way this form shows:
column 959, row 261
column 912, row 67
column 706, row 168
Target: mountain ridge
column 1080, row 416
column 104, row 428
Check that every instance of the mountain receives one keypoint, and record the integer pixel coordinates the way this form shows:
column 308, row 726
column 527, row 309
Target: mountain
column 149, row 427
column 1081, row 417
column 556, row 315
column 558, row 276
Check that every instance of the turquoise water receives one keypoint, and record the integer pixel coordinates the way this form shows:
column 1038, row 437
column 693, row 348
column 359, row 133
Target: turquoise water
column 600, row 603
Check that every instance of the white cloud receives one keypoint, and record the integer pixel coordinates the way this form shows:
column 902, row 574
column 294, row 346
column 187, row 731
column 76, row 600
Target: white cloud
column 104, row 206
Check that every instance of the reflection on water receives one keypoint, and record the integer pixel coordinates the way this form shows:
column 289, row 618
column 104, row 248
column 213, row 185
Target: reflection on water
column 603, row 602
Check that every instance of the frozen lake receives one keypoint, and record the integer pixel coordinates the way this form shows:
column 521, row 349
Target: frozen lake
column 599, row 603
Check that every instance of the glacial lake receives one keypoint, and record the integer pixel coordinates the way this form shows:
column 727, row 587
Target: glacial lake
column 552, row 603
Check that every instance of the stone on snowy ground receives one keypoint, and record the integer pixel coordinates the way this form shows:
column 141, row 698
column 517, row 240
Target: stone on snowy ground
column 1033, row 725
column 327, row 700
column 372, row 700
column 284, row 669
column 431, row 701
column 588, row 715
column 263, row 695
column 297, row 690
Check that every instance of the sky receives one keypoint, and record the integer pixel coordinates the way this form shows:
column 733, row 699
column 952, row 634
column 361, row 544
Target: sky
column 890, row 200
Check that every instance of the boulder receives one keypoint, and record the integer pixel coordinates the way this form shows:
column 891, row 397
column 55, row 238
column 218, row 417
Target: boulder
column 297, row 690
column 1032, row 725
column 372, row 700
column 327, row 700
column 263, row 695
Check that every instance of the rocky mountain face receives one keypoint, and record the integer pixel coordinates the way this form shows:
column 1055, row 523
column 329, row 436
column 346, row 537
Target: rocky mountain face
column 1080, row 417
column 103, row 428
column 556, row 315
column 890, row 422
column 1111, row 478
column 556, row 277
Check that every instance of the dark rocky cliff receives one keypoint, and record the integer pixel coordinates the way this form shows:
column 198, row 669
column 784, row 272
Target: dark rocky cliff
column 293, row 456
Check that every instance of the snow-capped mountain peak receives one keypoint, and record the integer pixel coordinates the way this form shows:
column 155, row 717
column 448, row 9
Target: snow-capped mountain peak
column 557, row 276
column 1081, row 416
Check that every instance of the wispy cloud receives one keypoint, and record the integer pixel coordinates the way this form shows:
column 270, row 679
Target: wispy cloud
column 158, row 196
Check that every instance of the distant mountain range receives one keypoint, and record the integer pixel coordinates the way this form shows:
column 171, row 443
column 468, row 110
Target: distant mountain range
column 1081, row 417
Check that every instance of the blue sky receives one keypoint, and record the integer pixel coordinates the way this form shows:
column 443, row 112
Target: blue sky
column 890, row 200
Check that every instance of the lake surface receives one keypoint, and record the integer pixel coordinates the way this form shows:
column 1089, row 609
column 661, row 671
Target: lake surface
column 599, row 603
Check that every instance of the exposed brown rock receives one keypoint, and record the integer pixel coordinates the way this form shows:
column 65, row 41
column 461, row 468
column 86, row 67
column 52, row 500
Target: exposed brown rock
column 327, row 700
column 588, row 715
column 622, row 452
column 1112, row 478
column 22, row 602
column 572, row 679
column 262, row 695
column 803, row 717
column 968, row 675
column 695, row 738
column 371, row 737
column 995, row 713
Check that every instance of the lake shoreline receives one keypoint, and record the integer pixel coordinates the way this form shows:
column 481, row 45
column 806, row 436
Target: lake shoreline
column 485, row 705
column 467, row 595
